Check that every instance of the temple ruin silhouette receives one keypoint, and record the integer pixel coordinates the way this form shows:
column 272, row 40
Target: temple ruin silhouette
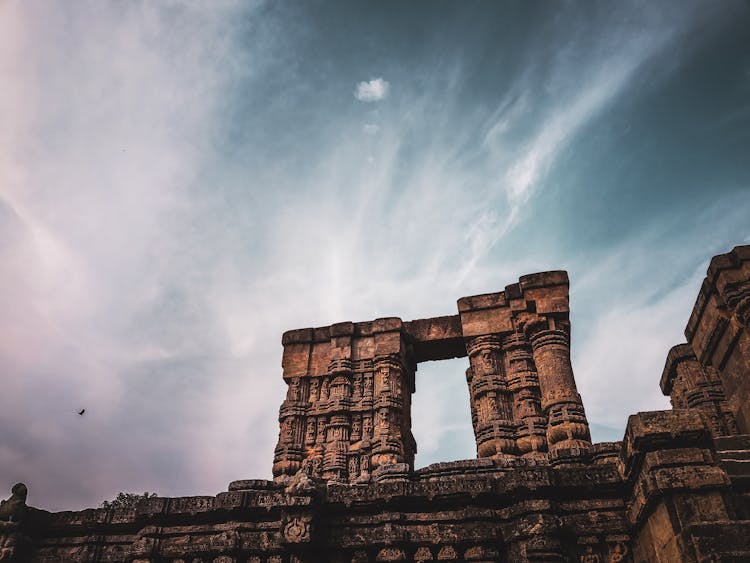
column 676, row 488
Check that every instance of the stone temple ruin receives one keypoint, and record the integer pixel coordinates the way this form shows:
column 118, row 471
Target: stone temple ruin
column 676, row 488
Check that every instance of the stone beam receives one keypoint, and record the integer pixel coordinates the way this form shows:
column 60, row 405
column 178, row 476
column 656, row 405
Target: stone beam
column 438, row 338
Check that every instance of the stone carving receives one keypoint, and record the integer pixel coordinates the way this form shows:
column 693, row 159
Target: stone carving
column 7, row 548
column 367, row 427
column 590, row 556
column 13, row 509
column 391, row 554
column 297, row 530
column 618, row 552
column 447, row 553
column 356, row 428
column 294, row 390
column 314, row 390
column 301, row 483
column 311, row 432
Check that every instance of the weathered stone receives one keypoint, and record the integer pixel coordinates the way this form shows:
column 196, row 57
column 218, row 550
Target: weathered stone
column 13, row 509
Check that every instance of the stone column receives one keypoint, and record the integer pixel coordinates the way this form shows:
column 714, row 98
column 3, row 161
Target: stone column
column 523, row 382
column 338, row 407
column 691, row 385
column 494, row 428
column 335, row 465
column 567, row 426
column 289, row 451
column 388, row 406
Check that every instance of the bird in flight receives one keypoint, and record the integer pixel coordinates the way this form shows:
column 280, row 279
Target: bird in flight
column 80, row 412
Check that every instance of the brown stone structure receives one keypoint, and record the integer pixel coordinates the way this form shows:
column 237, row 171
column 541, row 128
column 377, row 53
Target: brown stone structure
column 345, row 488
column 718, row 328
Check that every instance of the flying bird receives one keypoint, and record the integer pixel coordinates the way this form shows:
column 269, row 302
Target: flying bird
column 80, row 412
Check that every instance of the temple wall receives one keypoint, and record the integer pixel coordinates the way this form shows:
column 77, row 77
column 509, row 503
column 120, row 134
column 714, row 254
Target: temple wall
column 719, row 328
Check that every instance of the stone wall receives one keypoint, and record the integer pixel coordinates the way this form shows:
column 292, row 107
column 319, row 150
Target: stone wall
column 718, row 328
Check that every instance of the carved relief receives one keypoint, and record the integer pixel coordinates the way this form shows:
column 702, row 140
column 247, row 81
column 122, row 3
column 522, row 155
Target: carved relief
column 618, row 552
column 447, row 553
column 294, row 393
column 310, row 432
column 353, row 467
column 314, row 390
column 423, row 554
column 367, row 427
column 297, row 530
column 356, row 428
column 590, row 556
column 391, row 554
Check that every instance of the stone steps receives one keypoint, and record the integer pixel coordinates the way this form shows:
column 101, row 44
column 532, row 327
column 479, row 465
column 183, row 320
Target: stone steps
column 733, row 453
column 738, row 442
column 736, row 467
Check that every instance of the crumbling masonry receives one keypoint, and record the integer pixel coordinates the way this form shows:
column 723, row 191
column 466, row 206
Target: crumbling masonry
column 677, row 488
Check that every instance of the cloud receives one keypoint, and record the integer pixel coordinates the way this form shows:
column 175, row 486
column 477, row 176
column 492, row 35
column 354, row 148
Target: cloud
column 373, row 90
column 370, row 128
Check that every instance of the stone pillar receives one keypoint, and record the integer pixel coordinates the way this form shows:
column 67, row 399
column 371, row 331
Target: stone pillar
column 289, row 454
column 392, row 426
column 693, row 386
column 567, row 426
column 491, row 401
column 523, row 382
column 338, row 405
column 348, row 404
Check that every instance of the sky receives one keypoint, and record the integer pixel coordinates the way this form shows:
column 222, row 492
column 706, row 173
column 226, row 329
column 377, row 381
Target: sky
column 181, row 182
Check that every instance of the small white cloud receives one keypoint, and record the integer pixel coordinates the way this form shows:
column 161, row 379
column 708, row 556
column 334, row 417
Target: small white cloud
column 371, row 128
column 372, row 91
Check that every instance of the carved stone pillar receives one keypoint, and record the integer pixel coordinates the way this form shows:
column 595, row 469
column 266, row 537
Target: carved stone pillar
column 389, row 427
column 567, row 426
column 693, row 386
column 289, row 451
column 490, row 397
column 523, row 382
column 335, row 464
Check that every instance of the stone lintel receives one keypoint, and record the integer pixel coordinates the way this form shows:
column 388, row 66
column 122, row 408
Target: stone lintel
column 437, row 338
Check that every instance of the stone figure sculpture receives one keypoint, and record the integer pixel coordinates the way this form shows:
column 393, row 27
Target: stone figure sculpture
column 13, row 508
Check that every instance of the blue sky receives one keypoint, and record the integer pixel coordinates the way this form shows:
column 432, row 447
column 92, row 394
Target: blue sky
column 180, row 182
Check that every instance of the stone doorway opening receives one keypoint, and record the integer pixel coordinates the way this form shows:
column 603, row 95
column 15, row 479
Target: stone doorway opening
column 441, row 413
